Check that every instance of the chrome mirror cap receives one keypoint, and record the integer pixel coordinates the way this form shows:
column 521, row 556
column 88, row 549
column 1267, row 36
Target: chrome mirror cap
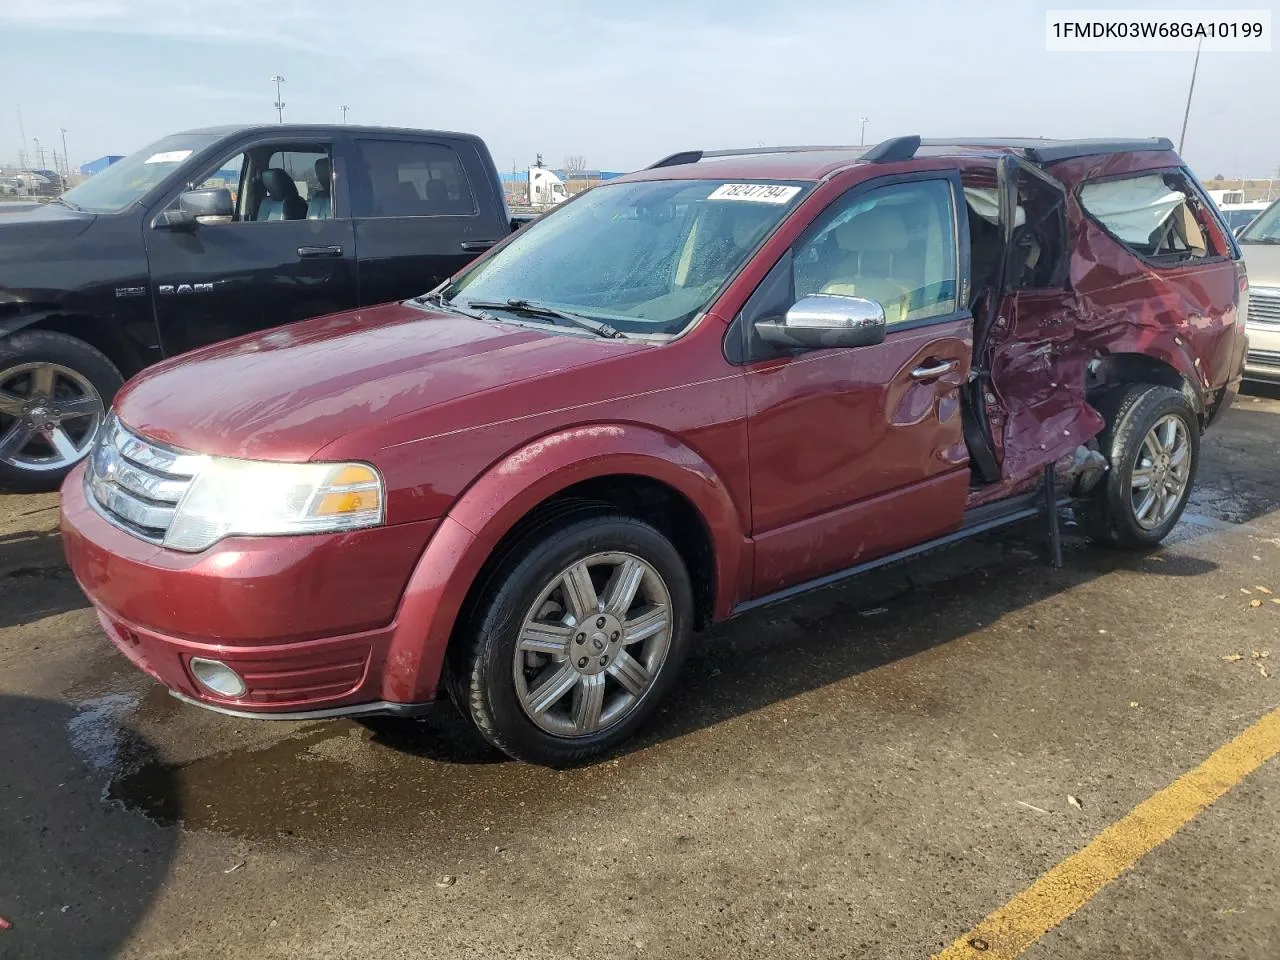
column 827, row 320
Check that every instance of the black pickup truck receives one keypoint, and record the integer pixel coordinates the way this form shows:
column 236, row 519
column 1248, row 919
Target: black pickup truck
column 209, row 234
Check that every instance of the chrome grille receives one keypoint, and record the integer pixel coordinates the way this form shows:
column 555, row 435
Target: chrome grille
column 1264, row 306
column 137, row 484
column 1265, row 358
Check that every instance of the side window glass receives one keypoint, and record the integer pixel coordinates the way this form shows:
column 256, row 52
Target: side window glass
column 895, row 245
column 414, row 179
column 1156, row 215
column 227, row 177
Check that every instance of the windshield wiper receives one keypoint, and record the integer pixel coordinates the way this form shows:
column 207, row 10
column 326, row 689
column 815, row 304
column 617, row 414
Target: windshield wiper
column 1258, row 239
column 533, row 309
column 438, row 300
column 69, row 205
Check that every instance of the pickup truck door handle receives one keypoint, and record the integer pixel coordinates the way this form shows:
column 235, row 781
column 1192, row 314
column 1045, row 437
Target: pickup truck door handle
column 311, row 252
column 934, row 371
column 475, row 246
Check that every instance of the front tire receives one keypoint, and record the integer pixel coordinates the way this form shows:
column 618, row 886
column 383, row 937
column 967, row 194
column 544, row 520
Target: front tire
column 55, row 392
column 1152, row 440
column 580, row 636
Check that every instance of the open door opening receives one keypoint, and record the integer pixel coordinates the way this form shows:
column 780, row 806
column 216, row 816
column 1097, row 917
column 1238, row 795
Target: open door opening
column 1025, row 402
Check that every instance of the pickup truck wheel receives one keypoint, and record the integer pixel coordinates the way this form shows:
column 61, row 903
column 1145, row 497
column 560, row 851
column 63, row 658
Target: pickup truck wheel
column 1152, row 440
column 55, row 391
column 581, row 637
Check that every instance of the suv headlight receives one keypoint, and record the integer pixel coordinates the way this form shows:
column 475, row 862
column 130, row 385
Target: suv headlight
column 259, row 498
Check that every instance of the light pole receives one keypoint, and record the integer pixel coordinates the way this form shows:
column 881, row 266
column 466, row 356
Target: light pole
column 344, row 108
column 277, row 80
column 66, row 160
column 862, row 137
column 39, row 151
column 1190, row 90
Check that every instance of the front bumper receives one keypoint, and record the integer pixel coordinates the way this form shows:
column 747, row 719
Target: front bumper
column 1262, row 361
column 308, row 622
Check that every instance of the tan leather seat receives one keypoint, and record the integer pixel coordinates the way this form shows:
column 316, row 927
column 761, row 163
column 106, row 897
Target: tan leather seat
column 868, row 244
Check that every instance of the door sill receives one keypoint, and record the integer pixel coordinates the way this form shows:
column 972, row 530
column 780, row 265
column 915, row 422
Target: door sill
column 989, row 516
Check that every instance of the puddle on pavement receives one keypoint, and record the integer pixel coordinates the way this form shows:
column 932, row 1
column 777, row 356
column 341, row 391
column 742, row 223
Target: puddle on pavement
column 348, row 781
column 97, row 733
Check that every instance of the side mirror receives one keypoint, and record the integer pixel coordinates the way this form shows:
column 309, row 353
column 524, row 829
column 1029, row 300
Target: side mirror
column 825, row 320
column 198, row 207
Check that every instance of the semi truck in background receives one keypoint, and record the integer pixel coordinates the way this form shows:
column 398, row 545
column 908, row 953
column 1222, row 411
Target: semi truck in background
column 544, row 189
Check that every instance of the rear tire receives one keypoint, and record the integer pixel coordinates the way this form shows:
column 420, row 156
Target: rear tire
column 579, row 636
column 1152, row 441
column 55, row 392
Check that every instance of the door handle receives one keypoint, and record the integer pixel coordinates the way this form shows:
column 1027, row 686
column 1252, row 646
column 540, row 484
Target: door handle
column 475, row 246
column 311, row 252
column 933, row 372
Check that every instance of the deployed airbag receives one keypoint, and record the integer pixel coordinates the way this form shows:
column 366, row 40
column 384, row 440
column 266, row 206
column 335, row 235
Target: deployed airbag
column 985, row 202
column 1133, row 208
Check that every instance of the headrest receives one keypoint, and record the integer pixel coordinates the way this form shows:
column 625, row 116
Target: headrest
column 879, row 230
column 324, row 173
column 437, row 191
column 279, row 184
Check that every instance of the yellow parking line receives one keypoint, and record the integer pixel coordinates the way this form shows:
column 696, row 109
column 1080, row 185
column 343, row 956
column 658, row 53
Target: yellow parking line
column 1066, row 888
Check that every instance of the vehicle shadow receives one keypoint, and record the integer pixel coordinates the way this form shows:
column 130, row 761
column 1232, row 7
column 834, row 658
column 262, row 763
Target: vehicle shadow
column 806, row 643
column 76, row 875
column 791, row 648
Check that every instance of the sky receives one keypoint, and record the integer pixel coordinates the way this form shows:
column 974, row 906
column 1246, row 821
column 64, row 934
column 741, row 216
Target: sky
column 618, row 84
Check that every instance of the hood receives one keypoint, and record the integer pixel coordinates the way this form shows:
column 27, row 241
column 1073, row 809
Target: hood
column 286, row 393
column 27, row 230
column 1262, row 261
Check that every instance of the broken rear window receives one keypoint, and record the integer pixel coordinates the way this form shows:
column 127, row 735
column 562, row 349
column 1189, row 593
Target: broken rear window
column 1151, row 214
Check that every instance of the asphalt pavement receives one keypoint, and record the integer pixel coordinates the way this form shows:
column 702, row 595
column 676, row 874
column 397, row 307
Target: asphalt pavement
column 868, row 771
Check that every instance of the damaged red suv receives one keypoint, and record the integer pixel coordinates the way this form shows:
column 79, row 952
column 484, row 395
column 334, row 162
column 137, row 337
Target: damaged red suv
column 688, row 392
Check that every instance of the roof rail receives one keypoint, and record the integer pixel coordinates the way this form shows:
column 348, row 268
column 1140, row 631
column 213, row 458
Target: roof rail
column 1066, row 149
column 1042, row 151
column 693, row 156
column 893, row 150
column 897, row 149
column 676, row 159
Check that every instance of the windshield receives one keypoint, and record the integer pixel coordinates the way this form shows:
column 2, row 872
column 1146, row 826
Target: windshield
column 645, row 257
column 1266, row 229
column 127, row 180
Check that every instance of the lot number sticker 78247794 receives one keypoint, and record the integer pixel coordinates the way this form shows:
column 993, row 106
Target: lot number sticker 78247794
column 754, row 192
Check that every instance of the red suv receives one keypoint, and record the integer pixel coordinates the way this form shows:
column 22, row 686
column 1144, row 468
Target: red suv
column 696, row 389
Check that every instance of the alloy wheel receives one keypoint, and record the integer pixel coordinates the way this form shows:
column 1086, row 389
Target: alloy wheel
column 1160, row 475
column 49, row 416
column 591, row 646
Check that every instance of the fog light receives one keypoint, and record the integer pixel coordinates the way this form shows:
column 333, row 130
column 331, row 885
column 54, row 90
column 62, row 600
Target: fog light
column 218, row 677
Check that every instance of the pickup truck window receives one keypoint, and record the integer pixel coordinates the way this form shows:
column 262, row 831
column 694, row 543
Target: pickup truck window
column 277, row 182
column 127, row 181
column 414, row 179
column 227, row 176
column 646, row 257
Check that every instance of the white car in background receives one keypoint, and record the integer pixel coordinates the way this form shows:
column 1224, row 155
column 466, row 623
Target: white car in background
column 1260, row 243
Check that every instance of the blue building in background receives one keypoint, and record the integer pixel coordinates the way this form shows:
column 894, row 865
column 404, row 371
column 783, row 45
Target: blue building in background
column 97, row 166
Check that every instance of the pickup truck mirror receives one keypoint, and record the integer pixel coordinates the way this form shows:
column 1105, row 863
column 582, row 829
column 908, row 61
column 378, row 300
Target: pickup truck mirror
column 825, row 320
column 197, row 207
